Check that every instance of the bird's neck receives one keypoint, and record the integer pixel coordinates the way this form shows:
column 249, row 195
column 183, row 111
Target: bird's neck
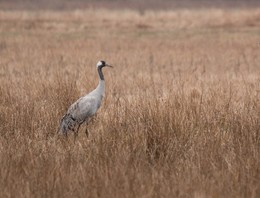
column 100, row 73
column 101, row 88
column 101, row 84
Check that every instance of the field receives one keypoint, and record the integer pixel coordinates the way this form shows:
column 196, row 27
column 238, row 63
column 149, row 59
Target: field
column 181, row 116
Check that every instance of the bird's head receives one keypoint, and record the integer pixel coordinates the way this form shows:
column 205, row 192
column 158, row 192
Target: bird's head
column 102, row 64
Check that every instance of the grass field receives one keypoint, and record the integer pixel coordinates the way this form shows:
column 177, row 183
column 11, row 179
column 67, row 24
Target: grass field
column 181, row 116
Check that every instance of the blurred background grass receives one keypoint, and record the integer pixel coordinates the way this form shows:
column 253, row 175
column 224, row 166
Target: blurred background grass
column 181, row 112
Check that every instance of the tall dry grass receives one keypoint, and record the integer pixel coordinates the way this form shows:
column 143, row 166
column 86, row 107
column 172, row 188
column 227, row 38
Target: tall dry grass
column 181, row 112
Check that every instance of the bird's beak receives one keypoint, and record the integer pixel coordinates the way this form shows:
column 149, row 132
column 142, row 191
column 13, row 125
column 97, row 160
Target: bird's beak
column 109, row 65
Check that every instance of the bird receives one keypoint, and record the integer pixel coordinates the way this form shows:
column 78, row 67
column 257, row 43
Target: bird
column 85, row 107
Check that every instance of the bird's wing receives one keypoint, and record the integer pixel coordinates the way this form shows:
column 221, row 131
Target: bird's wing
column 74, row 108
column 82, row 108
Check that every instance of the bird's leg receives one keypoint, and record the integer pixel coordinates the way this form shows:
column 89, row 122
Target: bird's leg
column 86, row 125
column 76, row 132
column 86, row 132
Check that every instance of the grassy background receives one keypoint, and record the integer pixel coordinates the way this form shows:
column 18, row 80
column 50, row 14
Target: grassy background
column 181, row 112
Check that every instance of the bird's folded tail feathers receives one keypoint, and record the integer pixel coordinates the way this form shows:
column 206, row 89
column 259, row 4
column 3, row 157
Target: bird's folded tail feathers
column 67, row 123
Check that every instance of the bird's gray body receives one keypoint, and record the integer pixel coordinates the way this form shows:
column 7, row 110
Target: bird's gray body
column 85, row 107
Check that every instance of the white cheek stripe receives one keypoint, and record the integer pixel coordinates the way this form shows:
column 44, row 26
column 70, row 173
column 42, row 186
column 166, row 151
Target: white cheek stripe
column 99, row 63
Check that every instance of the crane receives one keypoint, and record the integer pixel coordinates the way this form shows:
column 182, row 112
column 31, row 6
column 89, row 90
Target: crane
column 85, row 107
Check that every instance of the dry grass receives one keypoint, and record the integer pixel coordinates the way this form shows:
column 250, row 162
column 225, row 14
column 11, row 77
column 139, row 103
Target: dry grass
column 181, row 114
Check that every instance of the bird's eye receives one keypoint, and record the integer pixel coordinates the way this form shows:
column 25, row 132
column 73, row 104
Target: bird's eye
column 103, row 63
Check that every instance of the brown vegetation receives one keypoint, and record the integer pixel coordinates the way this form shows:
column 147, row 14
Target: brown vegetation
column 180, row 117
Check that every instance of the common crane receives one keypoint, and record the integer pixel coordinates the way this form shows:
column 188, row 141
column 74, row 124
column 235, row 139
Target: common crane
column 85, row 107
